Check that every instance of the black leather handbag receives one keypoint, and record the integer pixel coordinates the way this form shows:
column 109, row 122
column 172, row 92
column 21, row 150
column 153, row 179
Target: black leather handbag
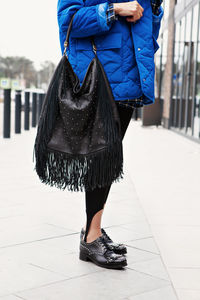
column 78, row 144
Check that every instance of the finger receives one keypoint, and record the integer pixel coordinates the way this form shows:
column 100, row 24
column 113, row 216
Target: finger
column 137, row 17
column 141, row 8
column 131, row 19
column 141, row 14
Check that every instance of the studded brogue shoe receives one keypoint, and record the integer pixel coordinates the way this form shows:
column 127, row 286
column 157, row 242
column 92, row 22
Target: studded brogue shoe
column 116, row 247
column 99, row 253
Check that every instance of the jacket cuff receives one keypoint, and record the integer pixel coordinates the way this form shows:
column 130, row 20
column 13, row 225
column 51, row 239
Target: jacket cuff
column 101, row 10
column 157, row 18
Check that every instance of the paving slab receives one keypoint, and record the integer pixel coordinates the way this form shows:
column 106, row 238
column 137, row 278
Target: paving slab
column 165, row 176
column 109, row 284
column 164, row 293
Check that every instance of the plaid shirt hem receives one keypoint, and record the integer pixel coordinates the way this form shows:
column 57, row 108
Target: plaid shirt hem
column 155, row 4
column 136, row 103
column 110, row 14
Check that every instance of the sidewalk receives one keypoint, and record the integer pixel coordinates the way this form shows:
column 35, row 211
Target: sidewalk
column 166, row 178
column 40, row 225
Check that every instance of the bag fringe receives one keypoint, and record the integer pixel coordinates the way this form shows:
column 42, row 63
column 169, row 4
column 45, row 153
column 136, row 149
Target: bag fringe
column 49, row 113
column 97, row 169
column 112, row 128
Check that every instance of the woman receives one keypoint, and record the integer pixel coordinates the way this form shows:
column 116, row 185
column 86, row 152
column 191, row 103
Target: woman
column 125, row 34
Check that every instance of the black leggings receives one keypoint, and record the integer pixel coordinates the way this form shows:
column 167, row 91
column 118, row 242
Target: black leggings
column 96, row 199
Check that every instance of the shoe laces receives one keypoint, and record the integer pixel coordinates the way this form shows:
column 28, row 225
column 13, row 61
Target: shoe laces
column 110, row 254
column 104, row 243
column 106, row 235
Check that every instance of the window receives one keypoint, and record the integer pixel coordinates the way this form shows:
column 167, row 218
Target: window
column 196, row 42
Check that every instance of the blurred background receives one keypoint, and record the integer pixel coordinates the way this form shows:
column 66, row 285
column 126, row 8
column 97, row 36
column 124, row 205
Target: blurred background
column 178, row 67
column 27, row 66
column 29, row 52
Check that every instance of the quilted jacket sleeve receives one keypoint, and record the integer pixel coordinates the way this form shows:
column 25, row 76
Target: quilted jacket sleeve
column 88, row 20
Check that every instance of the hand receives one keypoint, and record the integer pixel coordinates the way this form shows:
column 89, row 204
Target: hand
column 133, row 10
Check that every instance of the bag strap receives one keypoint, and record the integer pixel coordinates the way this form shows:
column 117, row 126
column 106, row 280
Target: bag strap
column 66, row 43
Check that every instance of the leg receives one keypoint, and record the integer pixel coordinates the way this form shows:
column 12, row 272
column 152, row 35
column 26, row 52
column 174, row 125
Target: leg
column 96, row 199
column 125, row 115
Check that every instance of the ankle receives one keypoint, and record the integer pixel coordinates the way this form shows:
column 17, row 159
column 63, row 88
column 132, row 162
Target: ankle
column 93, row 235
column 96, row 229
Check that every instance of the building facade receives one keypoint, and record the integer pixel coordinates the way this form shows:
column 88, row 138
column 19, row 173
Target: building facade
column 178, row 67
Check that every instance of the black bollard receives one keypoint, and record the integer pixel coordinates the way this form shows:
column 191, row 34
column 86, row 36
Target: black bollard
column 136, row 114
column 18, row 106
column 26, row 111
column 40, row 102
column 34, row 109
column 6, row 113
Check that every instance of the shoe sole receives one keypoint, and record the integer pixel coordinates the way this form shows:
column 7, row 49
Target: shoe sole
column 86, row 257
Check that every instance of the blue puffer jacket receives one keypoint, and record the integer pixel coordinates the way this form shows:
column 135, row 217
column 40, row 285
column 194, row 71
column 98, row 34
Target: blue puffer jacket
column 126, row 50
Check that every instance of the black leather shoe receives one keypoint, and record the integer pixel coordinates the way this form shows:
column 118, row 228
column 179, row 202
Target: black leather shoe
column 116, row 247
column 98, row 252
